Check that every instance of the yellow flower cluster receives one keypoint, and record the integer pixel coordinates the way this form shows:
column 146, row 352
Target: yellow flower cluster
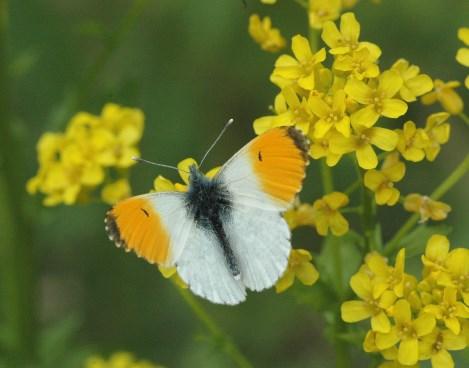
column 119, row 360
column 339, row 107
column 262, row 32
column 413, row 320
column 462, row 55
column 73, row 164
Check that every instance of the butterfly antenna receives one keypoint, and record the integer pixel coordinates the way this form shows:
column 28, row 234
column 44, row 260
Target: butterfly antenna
column 227, row 125
column 141, row 160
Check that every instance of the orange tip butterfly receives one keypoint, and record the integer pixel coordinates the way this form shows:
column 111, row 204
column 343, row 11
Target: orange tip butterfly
column 225, row 234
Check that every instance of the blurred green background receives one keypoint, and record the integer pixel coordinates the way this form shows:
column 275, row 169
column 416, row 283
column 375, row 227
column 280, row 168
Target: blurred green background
column 189, row 65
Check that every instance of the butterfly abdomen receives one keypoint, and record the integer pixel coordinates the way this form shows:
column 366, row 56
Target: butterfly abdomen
column 210, row 205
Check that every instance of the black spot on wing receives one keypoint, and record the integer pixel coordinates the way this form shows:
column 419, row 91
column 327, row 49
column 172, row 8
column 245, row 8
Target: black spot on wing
column 145, row 212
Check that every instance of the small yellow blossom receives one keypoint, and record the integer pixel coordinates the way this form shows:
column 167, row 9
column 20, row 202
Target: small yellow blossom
column 361, row 143
column 300, row 214
column 386, row 277
column 262, row 32
column 372, row 304
column 381, row 182
column 462, row 55
column 435, row 347
column 426, row 207
column 379, row 100
column 333, row 115
column 116, row 191
column 346, row 40
column 327, row 215
column 414, row 84
column 436, row 252
column 299, row 266
column 406, row 332
column 445, row 93
column 449, row 310
column 412, row 142
column 321, row 11
column 301, row 68
column 457, row 272
column 360, row 64
column 438, row 132
column 320, row 148
column 118, row 360
column 268, row 2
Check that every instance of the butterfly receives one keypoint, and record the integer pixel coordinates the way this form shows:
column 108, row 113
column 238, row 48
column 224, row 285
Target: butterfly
column 225, row 234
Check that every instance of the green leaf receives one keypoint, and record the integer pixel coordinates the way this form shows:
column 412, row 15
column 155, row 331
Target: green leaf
column 339, row 260
column 416, row 241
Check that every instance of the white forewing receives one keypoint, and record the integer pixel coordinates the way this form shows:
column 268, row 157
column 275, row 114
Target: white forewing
column 203, row 267
column 260, row 240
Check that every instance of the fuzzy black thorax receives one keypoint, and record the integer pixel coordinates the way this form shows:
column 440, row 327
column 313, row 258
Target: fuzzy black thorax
column 209, row 202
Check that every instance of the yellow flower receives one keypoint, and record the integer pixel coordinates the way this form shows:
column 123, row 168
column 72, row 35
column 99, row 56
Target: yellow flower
column 462, row 55
column 321, row 11
column 372, row 305
column 415, row 84
column 381, row 182
column 301, row 68
column 438, row 131
column 406, row 332
column 300, row 214
column 161, row 184
column 387, row 277
column 268, row 2
column 379, row 100
column 360, row 64
column 435, row 346
column 320, row 147
column 327, row 216
column 262, row 32
column 299, row 266
column 116, row 191
column 412, row 142
column 426, row 207
column 330, row 116
column 436, row 252
column 444, row 93
column 449, row 310
column 346, row 40
column 361, row 142
column 457, row 275
column 120, row 359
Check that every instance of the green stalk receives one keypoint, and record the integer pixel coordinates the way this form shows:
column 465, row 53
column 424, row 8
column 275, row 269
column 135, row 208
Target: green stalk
column 16, row 256
column 326, row 177
column 227, row 343
column 464, row 118
column 457, row 174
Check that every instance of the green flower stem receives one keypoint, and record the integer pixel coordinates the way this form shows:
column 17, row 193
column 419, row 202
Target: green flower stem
column 227, row 344
column 457, row 174
column 88, row 83
column 303, row 3
column 352, row 187
column 16, row 256
column 464, row 118
column 313, row 36
column 326, row 177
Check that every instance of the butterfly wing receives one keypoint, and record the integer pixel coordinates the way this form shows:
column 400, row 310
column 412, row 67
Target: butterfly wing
column 268, row 172
column 155, row 226
column 263, row 179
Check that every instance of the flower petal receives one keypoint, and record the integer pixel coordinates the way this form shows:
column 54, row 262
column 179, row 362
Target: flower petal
column 393, row 108
column 408, row 352
column 355, row 310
